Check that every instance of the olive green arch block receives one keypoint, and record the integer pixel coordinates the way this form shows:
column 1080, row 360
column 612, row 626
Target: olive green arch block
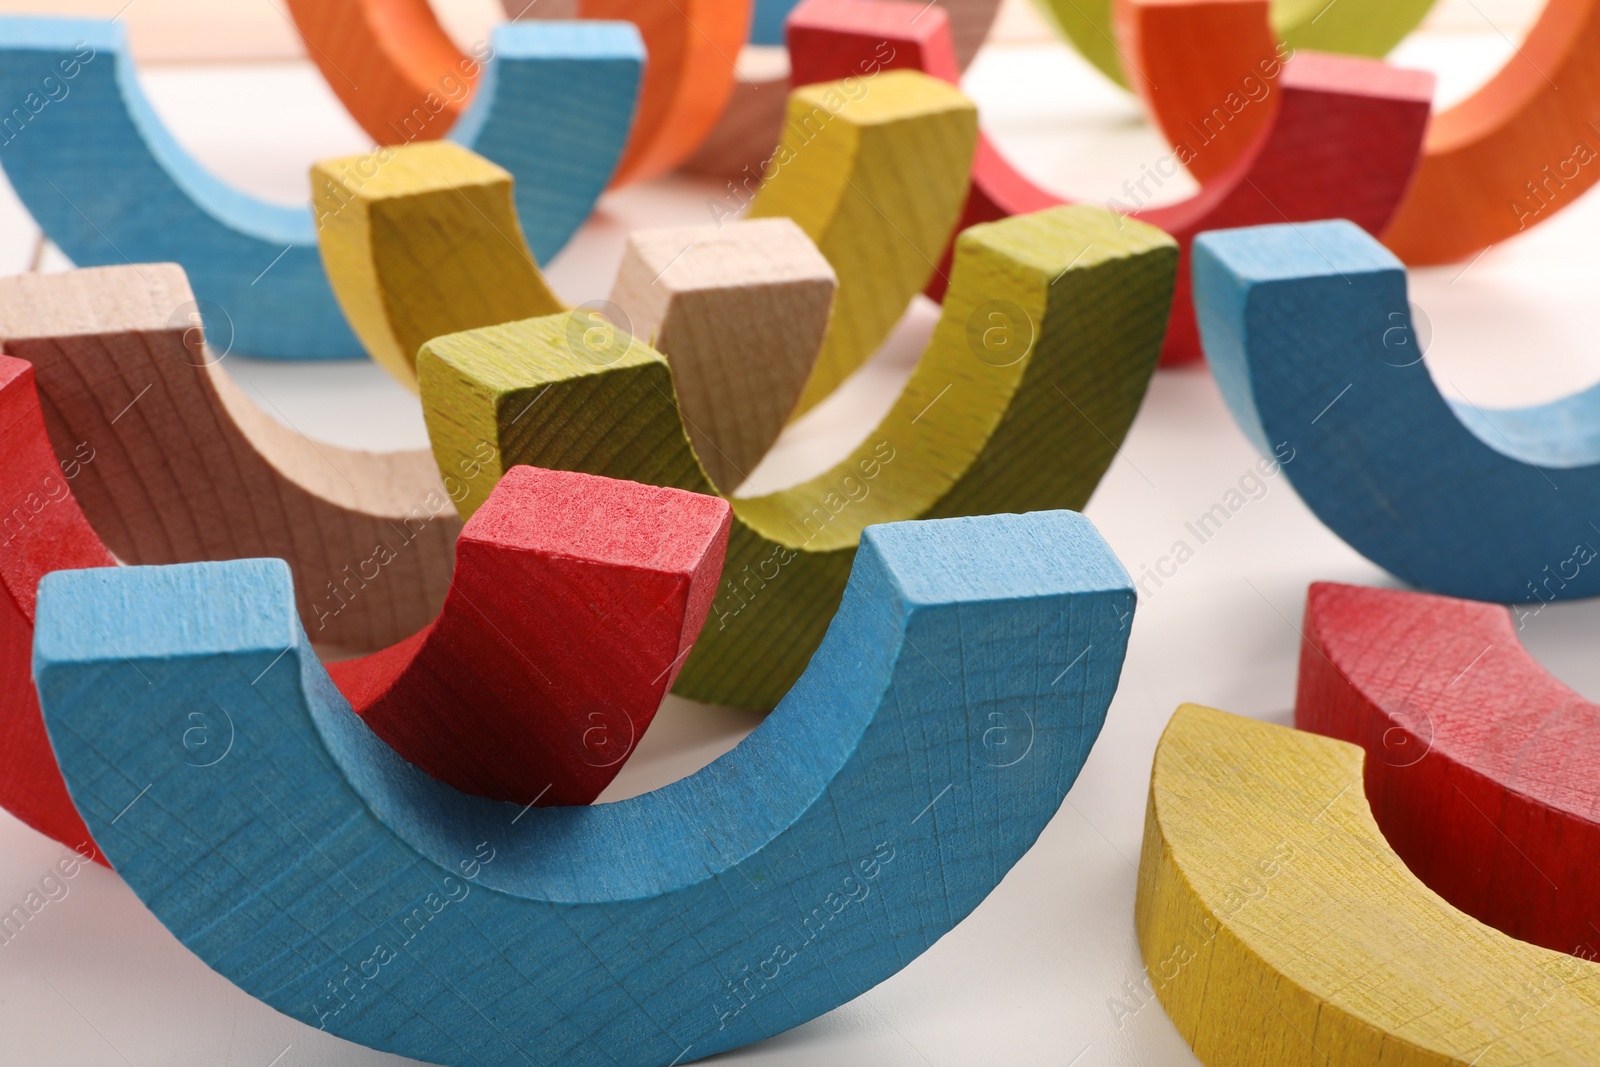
column 1352, row 27
column 1049, row 335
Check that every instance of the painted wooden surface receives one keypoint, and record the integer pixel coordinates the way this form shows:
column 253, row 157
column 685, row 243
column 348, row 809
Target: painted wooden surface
column 403, row 79
column 187, row 467
column 556, row 112
column 395, row 237
column 1279, row 928
column 1207, row 73
column 865, row 818
column 1515, row 152
column 500, row 695
column 1046, row 344
column 752, row 123
column 1342, row 143
column 574, row 602
column 1354, row 27
column 740, row 311
column 1480, row 766
column 1309, row 335
column 1506, row 158
column 874, row 171
column 874, row 168
column 41, row 530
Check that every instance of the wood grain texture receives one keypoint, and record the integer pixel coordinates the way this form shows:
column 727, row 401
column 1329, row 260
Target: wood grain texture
column 1514, row 153
column 875, row 172
column 187, row 467
column 387, row 60
column 574, row 603
column 1481, row 767
column 1353, row 27
column 41, row 530
column 858, row 824
column 1342, row 143
column 555, row 110
column 1280, row 929
column 740, row 309
column 752, row 123
column 1040, row 359
column 740, row 312
column 1309, row 335
column 401, row 77
column 395, row 231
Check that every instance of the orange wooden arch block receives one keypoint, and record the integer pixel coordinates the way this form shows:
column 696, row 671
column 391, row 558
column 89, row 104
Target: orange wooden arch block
column 385, row 59
column 1511, row 155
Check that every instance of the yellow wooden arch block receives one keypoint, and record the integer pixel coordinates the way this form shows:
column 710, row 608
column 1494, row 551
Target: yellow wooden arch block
column 423, row 240
column 875, row 171
column 1279, row 929
column 1049, row 335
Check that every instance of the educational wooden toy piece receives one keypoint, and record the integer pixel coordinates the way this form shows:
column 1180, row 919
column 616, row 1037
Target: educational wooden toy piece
column 741, row 309
column 1342, row 143
column 1281, row 930
column 41, row 530
column 1354, row 27
column 1309, row 334
column 187, row 467
column 1506, row 158
column 1042, row 354
column 752, row 124
column 404, row 80
column 501, row 695
column 741, row 312
column 875, row 176
column 574, row 602
column 1480, row 766
column 555, row 110
column 866, row 817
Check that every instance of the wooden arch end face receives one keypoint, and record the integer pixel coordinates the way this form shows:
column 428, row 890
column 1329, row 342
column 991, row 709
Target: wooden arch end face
column 606, row 934
column 989, row 388
column 1280, row 929
column 1480, row 765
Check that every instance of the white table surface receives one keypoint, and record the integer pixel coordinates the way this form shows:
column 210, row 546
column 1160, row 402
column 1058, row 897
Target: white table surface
column 94, row 979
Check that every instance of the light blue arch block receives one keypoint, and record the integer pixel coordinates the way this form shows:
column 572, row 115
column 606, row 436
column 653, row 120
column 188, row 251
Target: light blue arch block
column 1308, row 332
column 107, row 182
column 934, row 734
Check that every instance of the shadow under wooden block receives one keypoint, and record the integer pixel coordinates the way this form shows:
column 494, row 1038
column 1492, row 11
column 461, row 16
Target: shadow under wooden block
column 816, row 859
column 1309, row 335
column 1281, row 930
column 1342, row 143
column 258, row 277
column 1041, row 357
column 1480, row 766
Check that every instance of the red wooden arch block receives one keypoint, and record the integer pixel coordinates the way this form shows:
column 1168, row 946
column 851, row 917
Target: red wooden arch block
column 1482, row 770
column 574, row 602
column 1342, row 141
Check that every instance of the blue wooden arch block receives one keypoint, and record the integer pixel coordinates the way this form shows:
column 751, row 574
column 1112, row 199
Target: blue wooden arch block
column 935, row 733
column 108, row 183
column 1309, row 335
